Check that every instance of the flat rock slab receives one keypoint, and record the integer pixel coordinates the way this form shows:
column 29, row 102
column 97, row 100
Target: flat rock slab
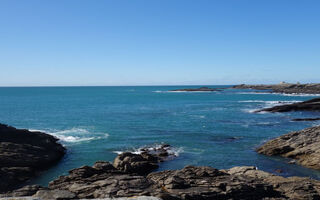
column 302, row 146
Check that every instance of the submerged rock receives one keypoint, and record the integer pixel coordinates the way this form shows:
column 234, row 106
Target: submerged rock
column 23, row 154
column 303, row 146
column 310, row 105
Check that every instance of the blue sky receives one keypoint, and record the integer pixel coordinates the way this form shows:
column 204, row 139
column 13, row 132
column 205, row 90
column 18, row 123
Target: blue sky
column 158, row 42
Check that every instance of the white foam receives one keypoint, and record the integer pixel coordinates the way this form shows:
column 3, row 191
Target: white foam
column 74, row 135
column 160, row 91
column 267, row 104
column 282, row 94
column 171, row 150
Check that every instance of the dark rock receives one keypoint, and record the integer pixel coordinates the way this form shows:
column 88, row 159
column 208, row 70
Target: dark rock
column 189, row 183
column 23, row 154
column 287, row 88
column 28, row 190
column 310, row 105
column 145, row 162
column 201, row 89
column 101, row 182
column 305, row 119
column 135, row 163
column 207, row 183
column 289, row 188
column 302, row 146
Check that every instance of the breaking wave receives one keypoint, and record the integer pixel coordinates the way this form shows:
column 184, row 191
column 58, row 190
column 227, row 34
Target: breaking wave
column 172, row 150
column 74, row 135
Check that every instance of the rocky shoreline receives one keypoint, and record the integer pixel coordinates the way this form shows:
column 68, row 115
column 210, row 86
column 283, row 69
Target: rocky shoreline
column 23, row 154
column 287, row 88
column 110, row 180
column 131, row 175
column 303, row 147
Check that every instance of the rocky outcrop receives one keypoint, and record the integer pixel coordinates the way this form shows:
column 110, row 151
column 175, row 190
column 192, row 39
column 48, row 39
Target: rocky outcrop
column 189, row 183
column 289, row 188
column 287, row 88
column 145, row 162
column 305, row 119
column 106, row 180
column 310, row 105
column 302, row 146
column 201, row 89
column 209, row 183
column 23, row 154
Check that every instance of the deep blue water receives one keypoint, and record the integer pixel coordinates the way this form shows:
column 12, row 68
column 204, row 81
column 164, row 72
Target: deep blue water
column 206, row 128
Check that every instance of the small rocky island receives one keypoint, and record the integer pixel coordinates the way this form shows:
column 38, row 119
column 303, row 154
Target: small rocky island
column 283, row 87
column 201, row 89
column 23, row 154
column 310, row 105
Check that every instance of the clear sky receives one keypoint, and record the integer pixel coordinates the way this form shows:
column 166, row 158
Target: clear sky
column 158, row 42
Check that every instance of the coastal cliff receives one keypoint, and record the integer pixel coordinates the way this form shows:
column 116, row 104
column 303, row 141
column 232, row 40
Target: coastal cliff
column 23, row 154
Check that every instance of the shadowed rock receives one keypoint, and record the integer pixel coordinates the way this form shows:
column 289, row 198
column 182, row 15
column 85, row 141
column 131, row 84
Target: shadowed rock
column 305, row 119
column 310, row 105
column 303, row 146
column 23, row 154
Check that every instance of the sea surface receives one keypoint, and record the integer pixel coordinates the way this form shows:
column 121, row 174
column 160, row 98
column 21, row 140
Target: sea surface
column 218, row 129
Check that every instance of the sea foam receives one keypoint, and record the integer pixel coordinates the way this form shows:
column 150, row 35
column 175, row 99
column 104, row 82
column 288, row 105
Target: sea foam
column 74, row 135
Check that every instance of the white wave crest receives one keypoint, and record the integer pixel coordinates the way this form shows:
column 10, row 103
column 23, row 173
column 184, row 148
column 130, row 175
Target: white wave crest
column 74, row 135
column 171, row 150
column 282, row 94
column 161, row 91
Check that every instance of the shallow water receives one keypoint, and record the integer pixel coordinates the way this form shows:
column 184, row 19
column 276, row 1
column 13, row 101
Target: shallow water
column 217, row 129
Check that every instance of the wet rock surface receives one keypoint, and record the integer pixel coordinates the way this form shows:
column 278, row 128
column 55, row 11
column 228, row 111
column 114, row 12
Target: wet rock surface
column 287, row 88
column 310, row 105
column 302, row 146
column 23, row 154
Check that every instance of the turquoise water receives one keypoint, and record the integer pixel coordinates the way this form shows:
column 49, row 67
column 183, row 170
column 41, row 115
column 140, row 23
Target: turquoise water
column 206, row 128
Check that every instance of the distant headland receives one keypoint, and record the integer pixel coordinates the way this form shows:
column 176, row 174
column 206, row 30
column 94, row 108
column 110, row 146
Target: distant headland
column 284, row 87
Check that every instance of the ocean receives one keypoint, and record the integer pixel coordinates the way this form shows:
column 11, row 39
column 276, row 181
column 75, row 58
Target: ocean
column 218, row 129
